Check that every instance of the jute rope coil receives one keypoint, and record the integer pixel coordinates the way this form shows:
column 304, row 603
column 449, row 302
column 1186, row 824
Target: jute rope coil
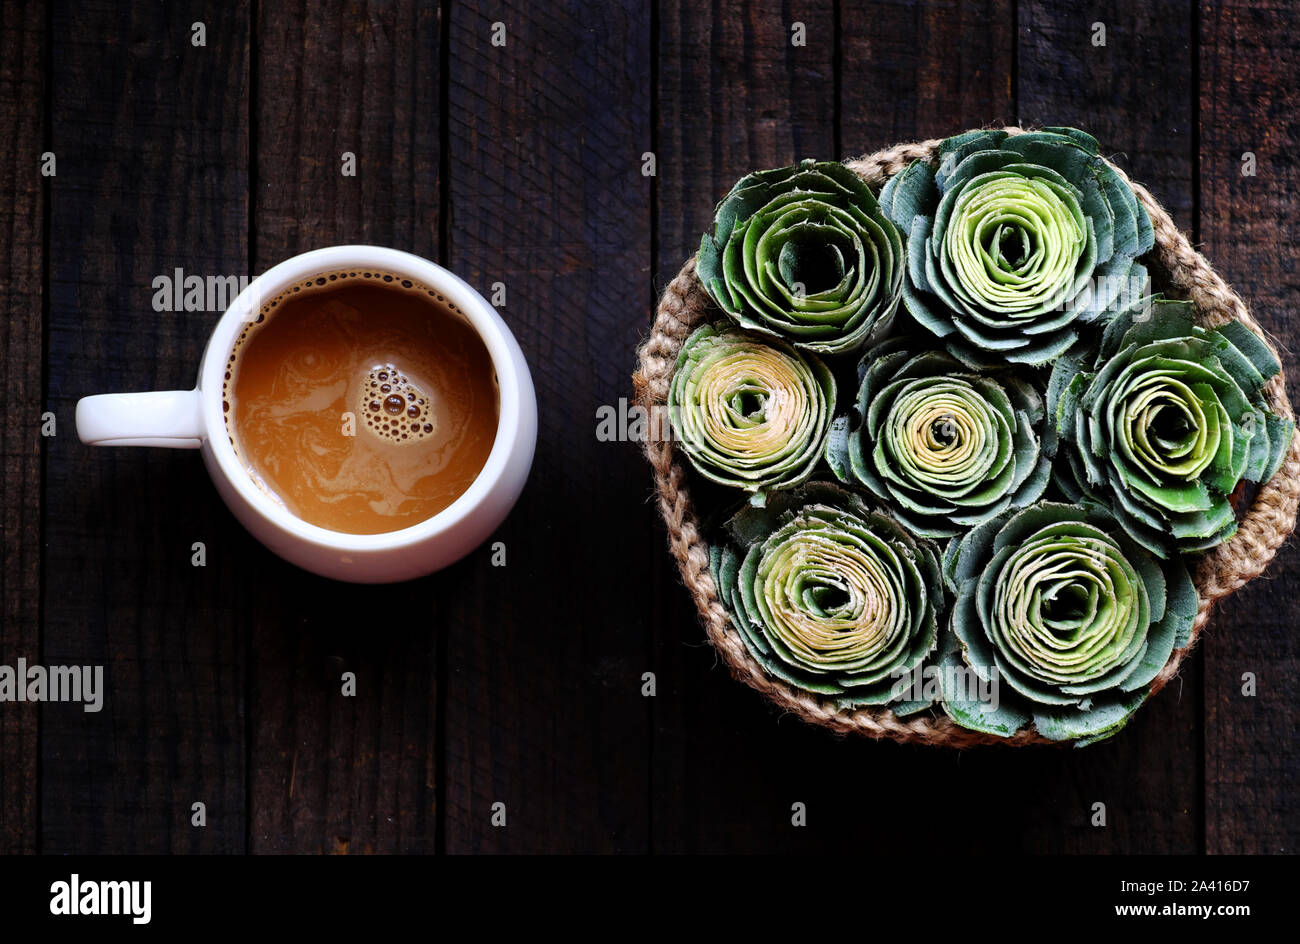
column 1265, row 526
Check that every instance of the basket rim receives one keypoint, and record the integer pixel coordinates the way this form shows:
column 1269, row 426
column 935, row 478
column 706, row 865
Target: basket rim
column 1217, row 573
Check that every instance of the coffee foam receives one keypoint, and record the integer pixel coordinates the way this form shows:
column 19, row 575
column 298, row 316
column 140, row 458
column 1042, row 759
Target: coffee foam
column 391, row 430
column 395, row 409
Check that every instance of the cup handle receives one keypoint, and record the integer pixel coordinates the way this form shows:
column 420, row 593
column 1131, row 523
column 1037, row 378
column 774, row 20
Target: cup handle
column 169, row 418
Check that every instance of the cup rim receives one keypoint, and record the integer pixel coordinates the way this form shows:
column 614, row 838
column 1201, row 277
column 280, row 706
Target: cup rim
column 506, row 357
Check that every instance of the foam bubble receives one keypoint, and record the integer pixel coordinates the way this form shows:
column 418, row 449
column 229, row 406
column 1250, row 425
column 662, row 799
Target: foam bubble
column 426, row 422
column 395, row 409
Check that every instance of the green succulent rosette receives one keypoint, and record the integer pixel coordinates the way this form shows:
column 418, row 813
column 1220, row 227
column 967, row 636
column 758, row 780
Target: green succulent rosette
column 1164, row 421
column 1015, row 241
column 748, row 413
column 945, row 447
column 1062, row 615
column 830, row 596
column 805, row 254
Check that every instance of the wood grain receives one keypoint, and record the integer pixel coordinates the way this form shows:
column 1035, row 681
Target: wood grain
column 913, row 71
column 1250, row 226
column 1148, row 777
column 735, row 96
column 332, row 772
column 545, row 655
column 1133, row 93
column 522, row 165
column 152, row 175
column 22, row 260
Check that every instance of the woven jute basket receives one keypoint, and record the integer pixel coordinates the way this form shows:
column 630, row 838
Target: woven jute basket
column 1264, row 526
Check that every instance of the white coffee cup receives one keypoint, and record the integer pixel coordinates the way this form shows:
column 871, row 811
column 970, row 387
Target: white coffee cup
column 194, row 419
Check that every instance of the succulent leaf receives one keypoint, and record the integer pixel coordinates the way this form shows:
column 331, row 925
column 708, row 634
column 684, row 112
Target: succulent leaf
column 1017, row 241
column 1072, row 618
column 748, row 413
column 805, row 254
column 830, row 596
column 943, row 446
column 1165, row 422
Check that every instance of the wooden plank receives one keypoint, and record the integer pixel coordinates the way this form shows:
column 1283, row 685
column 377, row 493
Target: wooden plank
column 22, row 260
column 544, row 712
column 735, row 95
column 1132, row 94
column 912, row 71
column 336, row 773
column 1250, row 99
column 152, row 173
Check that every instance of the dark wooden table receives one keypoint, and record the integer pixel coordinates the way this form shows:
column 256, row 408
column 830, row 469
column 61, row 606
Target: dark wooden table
column 522, row 164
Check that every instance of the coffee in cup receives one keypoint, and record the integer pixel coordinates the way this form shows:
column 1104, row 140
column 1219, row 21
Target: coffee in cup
column 361, row 401
column 322, row 464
